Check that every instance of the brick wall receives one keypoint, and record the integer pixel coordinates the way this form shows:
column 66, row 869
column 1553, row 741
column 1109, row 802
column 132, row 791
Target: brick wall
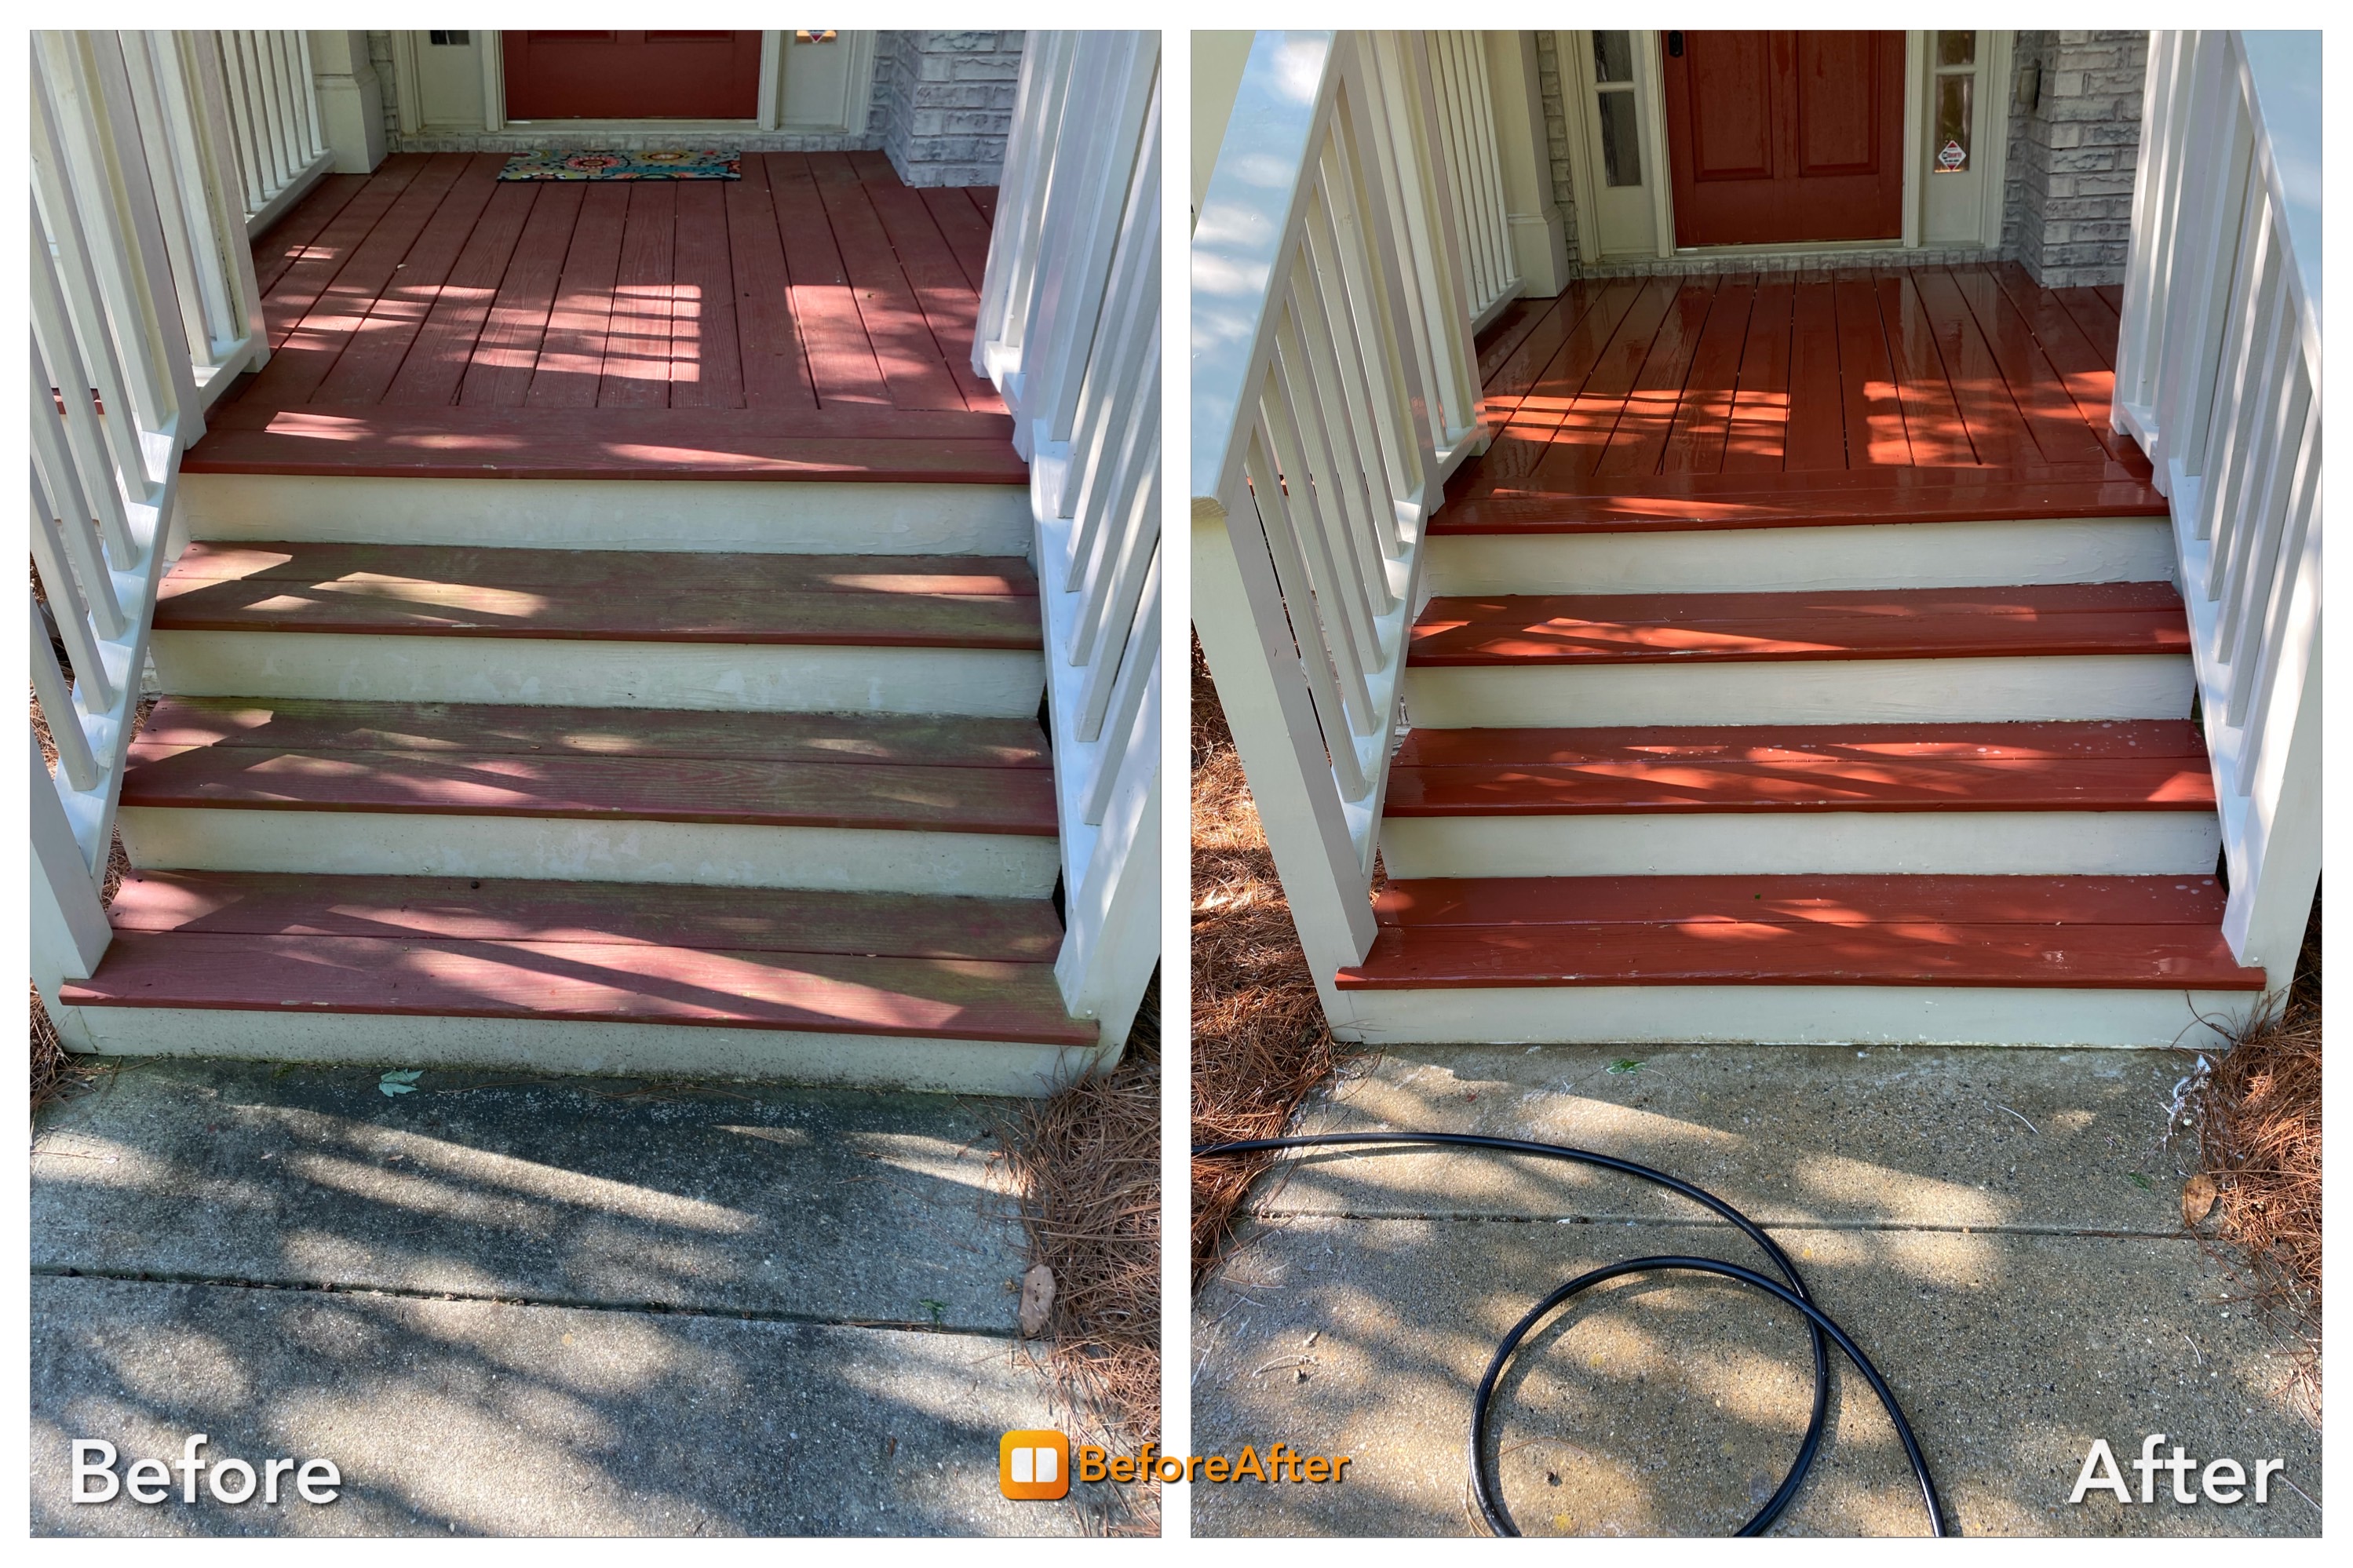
column 1564, row 191
column 2067, row 206
column 949, row 104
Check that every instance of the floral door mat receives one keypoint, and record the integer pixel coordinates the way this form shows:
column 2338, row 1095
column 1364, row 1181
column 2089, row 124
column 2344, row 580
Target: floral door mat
column 558, row 163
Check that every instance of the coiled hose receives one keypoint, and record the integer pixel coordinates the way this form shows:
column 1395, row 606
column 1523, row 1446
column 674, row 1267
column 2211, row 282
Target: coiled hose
column 1789, row 1289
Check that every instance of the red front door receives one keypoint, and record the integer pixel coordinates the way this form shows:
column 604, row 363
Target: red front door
column 1779, row 137
column 632, row 75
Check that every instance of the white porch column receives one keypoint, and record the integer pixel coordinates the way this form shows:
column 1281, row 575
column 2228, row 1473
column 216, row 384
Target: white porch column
column 1539, row 237
column 351, row 100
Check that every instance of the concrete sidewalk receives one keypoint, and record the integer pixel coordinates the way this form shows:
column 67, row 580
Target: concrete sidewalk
column 1999, row 1230
column 532, row 1307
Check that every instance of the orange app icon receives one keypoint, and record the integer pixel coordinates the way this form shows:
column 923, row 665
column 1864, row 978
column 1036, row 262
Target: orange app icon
column 1033, row 1467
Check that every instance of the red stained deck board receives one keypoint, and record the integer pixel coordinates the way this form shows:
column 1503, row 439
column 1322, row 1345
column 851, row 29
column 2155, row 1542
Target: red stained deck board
column 1589, row 413
column 835, row 620
column 1705, row 416
column 1876, row 432
column 620, row 442
column 580, row 320
column 706, row 357
column 373, row 354
column 338, row 317
column 324, row 253
column 1639, row 442
column 1766, row 952
column 1760, row 407
column 2172, row 739
column 774, row 353
column 1509, row 328
column 288, row 240
column 705, row 791
column 1654, row 786
column 435, row 365
column 1988, row 405
column 1559, row 368
column 638, row 351
column 2090, row 311
column 1932, row 420
column 1677, row 502
column 643, row 914
column 841, row 359
column 964, row 226
column 1534, row 629
column 2058, row 426
column 2086, row 372
column 600, row 572
column 498, row 371
column 184, row 724
column 1816, row 434
column 1839, row 900
column 586, row 982
column 950, row 308
column 913, row 361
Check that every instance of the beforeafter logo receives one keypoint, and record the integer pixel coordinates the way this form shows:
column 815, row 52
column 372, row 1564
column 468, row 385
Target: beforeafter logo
column 1033, row 1466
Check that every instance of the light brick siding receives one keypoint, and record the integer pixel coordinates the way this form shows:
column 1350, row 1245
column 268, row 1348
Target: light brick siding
column 950, row 105
column 2067, row 195
column 2067, row 214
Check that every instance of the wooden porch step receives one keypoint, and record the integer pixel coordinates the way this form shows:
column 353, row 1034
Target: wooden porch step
column 1920, row 623
column 896, row 601
column 936, row 775
column 584, row 952
column 387, row 441
column 2104, row 933
column 2147, row 765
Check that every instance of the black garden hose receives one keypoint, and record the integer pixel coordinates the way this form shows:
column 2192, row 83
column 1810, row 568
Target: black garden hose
column 1793, row 1293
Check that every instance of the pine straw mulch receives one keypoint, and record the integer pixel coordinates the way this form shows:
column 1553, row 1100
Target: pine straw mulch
column 1087, row 1161
column 2258, row 1117
column 1259, row 1039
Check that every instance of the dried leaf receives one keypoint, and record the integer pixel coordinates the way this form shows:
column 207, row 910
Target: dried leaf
column 2197, row 1199
column 1037, row 1300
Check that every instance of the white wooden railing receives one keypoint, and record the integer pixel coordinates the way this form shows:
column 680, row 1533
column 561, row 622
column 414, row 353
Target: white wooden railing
column 142, row 301
column 273, row 117
column 1333, row 390
column 2218, row 377
column 1465, row 122
column 1069, row 332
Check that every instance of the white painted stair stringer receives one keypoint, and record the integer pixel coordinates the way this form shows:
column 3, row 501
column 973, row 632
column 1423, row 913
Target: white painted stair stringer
column 1785, row 842
column 366, row 843
column 2002, row 552
column 764, row 677
column 924, row 1064
column 1999, row 690
column 758, row 516
column 1785, row 1014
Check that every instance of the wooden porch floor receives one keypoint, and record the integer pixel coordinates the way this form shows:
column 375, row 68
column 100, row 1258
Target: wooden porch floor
column 813, row 319
column 1699, row 401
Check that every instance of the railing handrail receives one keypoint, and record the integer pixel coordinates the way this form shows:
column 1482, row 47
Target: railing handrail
column 2218, row 377
column 144, row 309
column 1334, row 388
column 1070, row 331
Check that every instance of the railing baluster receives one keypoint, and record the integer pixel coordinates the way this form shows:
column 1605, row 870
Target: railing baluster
column 66, row 733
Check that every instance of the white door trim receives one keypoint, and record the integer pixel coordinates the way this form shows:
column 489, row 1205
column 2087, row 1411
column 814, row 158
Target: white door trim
column 857, row 93
column 1574, row 51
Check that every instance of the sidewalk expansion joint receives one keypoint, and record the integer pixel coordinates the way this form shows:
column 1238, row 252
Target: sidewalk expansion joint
column 1622, row 1220
column 406, row 1293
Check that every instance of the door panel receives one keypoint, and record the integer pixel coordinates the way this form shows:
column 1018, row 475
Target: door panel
column 1786, row 137
column 1732, row 121
column 678, row 75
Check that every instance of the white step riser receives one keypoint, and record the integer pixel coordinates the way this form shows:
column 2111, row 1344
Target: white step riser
column 1891, row 555
column 1954, row 843
column 665, row 1050
column 995, row 864
column 978, row 682
column 1789, row 1015
column 1810, row 692
column 607, row 514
